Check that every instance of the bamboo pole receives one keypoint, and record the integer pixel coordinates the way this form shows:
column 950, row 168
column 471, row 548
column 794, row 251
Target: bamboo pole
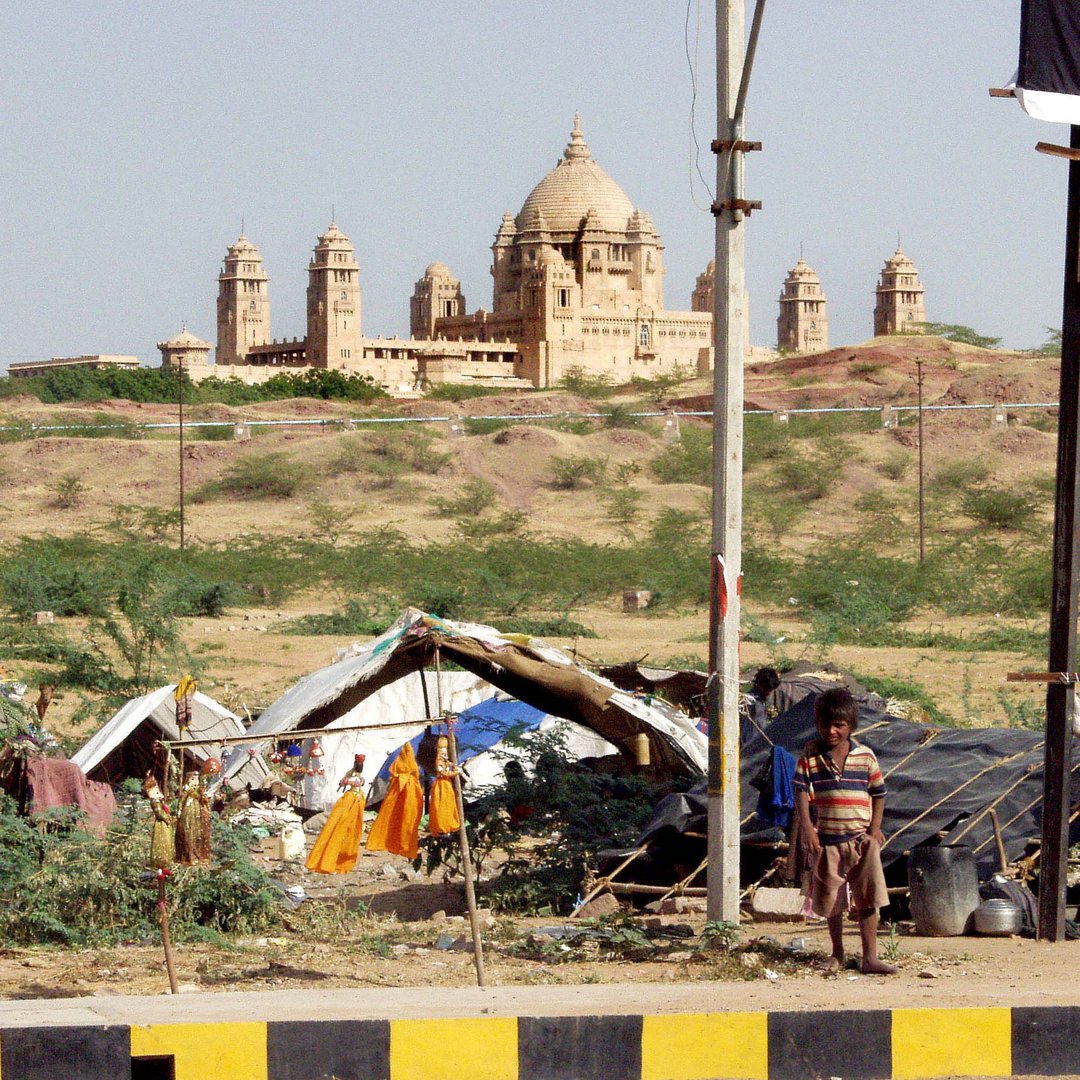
column 605, row 882
column 463, row 836
column 1003, row 862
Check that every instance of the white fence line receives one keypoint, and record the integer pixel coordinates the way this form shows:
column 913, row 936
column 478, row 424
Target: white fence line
column 33, row 429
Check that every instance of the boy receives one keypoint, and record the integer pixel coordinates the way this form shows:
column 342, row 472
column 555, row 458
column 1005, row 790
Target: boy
column 845, row 845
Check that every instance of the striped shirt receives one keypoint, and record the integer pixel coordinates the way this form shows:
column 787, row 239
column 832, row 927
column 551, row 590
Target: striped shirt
column 841, row 801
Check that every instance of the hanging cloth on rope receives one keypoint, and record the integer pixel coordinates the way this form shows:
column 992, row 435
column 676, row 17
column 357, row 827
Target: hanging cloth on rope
column 338, row 844
column 443, row 816
column 397, row 828
column 185, row 691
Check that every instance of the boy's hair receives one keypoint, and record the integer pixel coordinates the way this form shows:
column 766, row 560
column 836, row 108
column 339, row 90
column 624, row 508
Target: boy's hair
column 766, row 680
column 836, row 704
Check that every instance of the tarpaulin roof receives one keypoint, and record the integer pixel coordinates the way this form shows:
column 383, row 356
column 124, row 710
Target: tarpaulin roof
column 939, row 781
column 499, row 729
column 526, row 668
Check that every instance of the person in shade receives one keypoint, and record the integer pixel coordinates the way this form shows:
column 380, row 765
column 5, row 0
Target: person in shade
column 845, row 841
column 397, row 828
column 338, row 844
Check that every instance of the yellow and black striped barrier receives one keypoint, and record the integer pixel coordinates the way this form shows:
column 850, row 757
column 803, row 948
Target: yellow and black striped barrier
column 885, row 1043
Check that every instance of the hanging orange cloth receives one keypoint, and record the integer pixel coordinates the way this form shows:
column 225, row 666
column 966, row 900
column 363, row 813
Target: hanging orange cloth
column 443, row 816
column 338, row 844
column 397, row 828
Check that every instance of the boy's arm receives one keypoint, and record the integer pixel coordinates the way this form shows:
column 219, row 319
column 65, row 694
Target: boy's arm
column 877, row 812
column 806, row 826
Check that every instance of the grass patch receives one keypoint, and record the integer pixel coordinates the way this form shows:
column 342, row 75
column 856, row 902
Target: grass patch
column 261, row 476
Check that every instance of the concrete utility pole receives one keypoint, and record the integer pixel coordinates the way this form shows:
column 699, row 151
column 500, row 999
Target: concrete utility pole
column 730, row 210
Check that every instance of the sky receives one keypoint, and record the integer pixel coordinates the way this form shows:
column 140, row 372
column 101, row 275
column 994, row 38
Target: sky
column 136, row 138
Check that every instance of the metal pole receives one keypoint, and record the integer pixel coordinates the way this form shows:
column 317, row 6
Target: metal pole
column 922, row 508
column 1063, row 599
column 726, row 557
column 180, row 380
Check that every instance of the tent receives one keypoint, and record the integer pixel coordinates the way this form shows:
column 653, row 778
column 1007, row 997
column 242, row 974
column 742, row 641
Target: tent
column 124, row 747
column 501, row 729
column 941, row 783
column 525, row 668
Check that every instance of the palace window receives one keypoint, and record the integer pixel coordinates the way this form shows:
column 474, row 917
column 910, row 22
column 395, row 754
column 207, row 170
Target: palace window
column 563, row 298
column 644, row 337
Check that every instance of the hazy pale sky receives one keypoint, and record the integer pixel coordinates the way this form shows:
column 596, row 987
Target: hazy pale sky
column 136, row 137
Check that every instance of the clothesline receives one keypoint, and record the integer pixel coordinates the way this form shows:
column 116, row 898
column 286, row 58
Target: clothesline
column 297, row 734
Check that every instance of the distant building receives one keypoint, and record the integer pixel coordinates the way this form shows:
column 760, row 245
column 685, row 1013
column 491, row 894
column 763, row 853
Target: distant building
column 188, row 353
column 900, row 307
column 95, row 360
column 578, row 284
column 803, row 325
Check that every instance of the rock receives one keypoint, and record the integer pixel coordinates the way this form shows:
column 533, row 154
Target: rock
column 599, row 906
column 681, row 956
column 438, row 916
column 462, row 944
column 653, row 922
column 316, row 823
column 455, row 918
column 485, row 922
column 444, row 941
column 928, row 973
column 777, row 905
column 653, row 906
column 750, row 960
column 399, row 950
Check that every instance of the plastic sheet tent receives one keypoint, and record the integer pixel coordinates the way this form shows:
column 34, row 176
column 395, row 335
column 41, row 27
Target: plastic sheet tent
column 124, row 746
column 500, row 729
column 527, row 669
column 940, row 781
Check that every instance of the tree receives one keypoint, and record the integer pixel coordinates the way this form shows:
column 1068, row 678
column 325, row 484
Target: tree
column 1052, row 345
column 962, row 335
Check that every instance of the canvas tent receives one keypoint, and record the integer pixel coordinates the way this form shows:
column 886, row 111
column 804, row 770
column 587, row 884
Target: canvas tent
column 124, row 747
column 527, row 669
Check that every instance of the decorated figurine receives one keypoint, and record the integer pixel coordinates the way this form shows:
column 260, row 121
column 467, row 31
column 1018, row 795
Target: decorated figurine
column 162, row 840
column 192, row 846
column 338, row 844
column 443, row 816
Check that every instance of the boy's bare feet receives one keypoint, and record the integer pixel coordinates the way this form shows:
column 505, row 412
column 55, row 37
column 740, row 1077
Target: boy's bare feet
column 877, row 967
column 833, row 965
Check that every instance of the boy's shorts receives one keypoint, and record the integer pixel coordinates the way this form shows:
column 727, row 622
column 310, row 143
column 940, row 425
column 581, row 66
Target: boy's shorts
column 856, row 863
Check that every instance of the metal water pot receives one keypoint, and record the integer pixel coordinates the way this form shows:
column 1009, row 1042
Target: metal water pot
column 998, row 918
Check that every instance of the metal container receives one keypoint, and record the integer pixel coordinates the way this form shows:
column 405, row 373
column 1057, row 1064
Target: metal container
column 998, row 918
column 944, row 889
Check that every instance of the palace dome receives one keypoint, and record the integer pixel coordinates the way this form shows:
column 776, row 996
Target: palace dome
column 574, row 187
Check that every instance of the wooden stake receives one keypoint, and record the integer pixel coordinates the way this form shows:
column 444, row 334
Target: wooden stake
column 1003, row 862
column 163, row 922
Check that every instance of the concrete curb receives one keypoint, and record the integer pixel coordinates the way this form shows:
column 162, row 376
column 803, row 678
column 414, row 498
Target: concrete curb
column 902, row 1043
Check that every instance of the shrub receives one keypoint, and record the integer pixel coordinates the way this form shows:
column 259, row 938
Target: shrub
column 804, row 476
column 67, row 492
column 623, row 506
column 998, row 508
column 578, row 381
column 956, row 475
column 569, row 473
column 474, row 497
column 413, row 449
column 895, row 466
column 262, row 476
column 620, row 416
column 482, row 528
column 689, row 461
column 481, row 425
column 352, row 457
column 460, row 392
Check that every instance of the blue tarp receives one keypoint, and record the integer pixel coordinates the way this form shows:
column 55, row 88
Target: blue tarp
column 481, row 727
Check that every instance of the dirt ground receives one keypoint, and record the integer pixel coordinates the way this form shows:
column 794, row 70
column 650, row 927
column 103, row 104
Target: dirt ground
column 385, row 925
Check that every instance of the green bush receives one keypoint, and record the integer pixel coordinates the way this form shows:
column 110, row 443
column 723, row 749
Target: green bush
column 412, row 449
column 998, row 508
column 620, row 416
column 623, row 506
column 259, row 476
column 578, row 381
column 62, row 885
column 688, row 461
column 955, row 476
column 572, row 472
column 67, row 492
column 509, row 522
column 895, row 465
column 481, row 425
column 472, row 499
column 461, row 392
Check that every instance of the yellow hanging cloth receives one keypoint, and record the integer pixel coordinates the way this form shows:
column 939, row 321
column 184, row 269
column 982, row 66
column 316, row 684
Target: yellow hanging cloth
column 338, row 844
column 397, row 828
column 443, row 816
